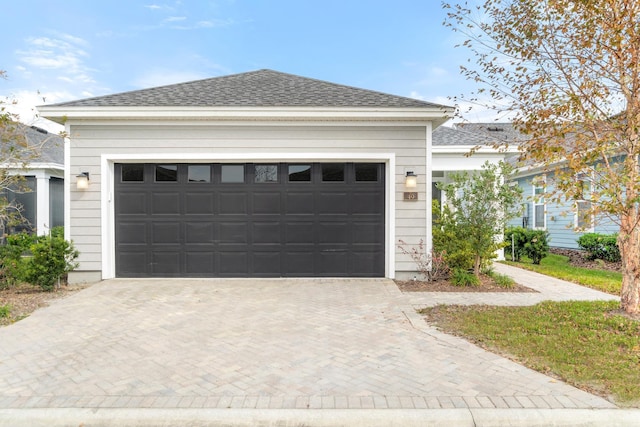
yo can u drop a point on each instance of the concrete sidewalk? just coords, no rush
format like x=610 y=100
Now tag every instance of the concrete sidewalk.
x=284 y=352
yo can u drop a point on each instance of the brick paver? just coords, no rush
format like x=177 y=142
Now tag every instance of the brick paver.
x=277 y=344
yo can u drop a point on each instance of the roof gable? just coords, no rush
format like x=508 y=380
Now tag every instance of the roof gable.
x=262 y=88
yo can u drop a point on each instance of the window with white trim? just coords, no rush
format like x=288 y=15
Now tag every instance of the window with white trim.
x=539 y=205
x=583 y=216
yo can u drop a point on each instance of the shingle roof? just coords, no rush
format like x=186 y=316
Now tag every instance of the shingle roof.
x=261 y=88
x=51 y=145
x=444 y=135
x=504 y=132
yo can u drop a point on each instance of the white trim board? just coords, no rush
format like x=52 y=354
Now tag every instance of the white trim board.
x=107 y=189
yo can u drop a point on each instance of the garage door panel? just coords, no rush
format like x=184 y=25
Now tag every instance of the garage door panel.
x=132 y=262
x=364 y=263
x=234 y=232
x=367 y=203
x=367 y=232
x=233 y=204
x=333 y=262
x=299 y=232
x=199 y=203
x=132 y=203
x=166 y=263
x=199 y=233
x=266 y=263
x=299 y=263
x=134 y=232
x=267 y=203
x=299 y=203
x=165 y=232
x=266 y=232
x=333 y=232
x=333 y=203
x=200 y=263
x=233 y=263
x=165 y=203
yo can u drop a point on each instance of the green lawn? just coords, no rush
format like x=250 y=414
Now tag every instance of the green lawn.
x=558 y=266
x=581 y=343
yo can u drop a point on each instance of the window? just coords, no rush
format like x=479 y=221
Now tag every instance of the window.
x=56 y=202
x=199 y=173
x=23 y=196
x=366 y=172
x=232 y=174
x=266 y=173
x=166 y=173
x=299 y=173
x=332 y=172
x=583 y=215
x=539 y=207
x=132 y=173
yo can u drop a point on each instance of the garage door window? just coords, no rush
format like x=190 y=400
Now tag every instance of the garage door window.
x=232 y=174
x=199 y=173
x=299 y=173
x=366 y=172
x=266 y=173
x=166 y=173
x=132 y=173
x=332 y=172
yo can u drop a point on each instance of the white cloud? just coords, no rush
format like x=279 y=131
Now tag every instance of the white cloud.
x=23 y=103
x=175 y=18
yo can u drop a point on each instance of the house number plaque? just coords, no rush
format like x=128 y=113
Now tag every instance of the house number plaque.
x=410 y=195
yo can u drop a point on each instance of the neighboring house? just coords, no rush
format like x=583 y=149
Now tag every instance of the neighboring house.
x=259 y=174
x=41 y=194
x=565 y=222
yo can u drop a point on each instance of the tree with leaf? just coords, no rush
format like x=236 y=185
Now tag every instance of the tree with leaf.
x=479 y=206
x=570 y=71
x=16 y=152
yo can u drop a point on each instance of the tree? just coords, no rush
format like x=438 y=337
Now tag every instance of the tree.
x=570 y=71
x=16 y=151
x=478 y=207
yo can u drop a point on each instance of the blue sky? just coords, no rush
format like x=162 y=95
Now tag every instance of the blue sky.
x=61 y=50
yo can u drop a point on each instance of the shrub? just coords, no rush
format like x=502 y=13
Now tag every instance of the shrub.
x=600 y=246
x=53 y=257
x=38 y=260
x=463 y=278
x=532 y=243
x=537 y=245
x=432 y=265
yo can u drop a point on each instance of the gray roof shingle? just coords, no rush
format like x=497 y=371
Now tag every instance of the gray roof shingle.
x=261 y=88
x=447 y=136
x=51 y=146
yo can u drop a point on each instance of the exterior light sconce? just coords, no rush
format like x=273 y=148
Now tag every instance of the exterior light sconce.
x=410 y=182
x=82 y=181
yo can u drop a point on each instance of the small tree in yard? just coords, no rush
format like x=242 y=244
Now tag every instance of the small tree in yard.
x=570 y=72
x=478 y=209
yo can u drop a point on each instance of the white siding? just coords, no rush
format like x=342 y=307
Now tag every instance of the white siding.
x=206 y=142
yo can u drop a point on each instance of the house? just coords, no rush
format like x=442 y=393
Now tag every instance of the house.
x=41 y=195
x=258 y=174
x=565 y=222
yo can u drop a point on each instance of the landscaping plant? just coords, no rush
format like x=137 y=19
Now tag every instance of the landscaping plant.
x=600 y=246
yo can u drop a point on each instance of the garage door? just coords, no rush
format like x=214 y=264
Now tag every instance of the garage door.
x=250 y=220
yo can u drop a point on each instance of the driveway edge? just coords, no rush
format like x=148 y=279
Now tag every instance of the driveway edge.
x=142 y=417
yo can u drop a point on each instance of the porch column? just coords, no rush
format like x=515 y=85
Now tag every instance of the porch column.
x=42 y=203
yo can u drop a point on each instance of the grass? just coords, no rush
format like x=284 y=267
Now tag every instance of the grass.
x=5 y=310
x=558 y=266
x=580 y=342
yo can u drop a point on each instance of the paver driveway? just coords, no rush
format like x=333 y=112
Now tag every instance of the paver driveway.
x=255 y=344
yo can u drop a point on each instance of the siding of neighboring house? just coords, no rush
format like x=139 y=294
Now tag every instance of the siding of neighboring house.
x=560 y=219
x=162 y=140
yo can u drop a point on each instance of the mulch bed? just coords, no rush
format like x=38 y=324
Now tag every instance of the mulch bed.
x=25 y=299
x=486 y=285
x=578 y=258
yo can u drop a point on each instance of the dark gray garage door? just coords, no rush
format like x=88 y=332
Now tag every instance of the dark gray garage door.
x=250 y=220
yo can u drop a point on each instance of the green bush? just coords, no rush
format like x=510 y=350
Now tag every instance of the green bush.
x=38 y=260
x=503 y=280
x=600 y=246
x=5 y=311
x=463 y=278
x=532 y=243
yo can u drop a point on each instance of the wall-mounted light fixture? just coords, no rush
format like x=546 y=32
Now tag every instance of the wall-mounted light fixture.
x=411 y=180
x=82 y=181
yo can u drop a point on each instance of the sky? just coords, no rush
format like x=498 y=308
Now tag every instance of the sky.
x=61 y=50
